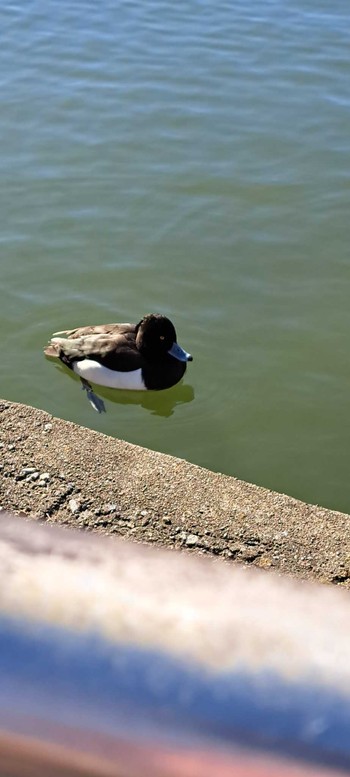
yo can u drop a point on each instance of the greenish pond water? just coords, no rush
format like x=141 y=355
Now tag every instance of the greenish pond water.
x=194 y=159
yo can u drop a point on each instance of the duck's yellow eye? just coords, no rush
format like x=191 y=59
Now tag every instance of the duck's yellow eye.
x=162 y=337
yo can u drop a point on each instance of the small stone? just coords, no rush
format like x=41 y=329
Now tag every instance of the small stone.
x=105 y=509
x=11 y=447
x=111 y=507
x=144 y=512
x=192 y=540
x=45 y=476
x=47 y=427
x=100 y=521
x=265 y=562
x=33 y=476
x=28 y=470
x=218 y=548
x=234 y=549
x=74 y=505
x=249 y=554
x=166 y=519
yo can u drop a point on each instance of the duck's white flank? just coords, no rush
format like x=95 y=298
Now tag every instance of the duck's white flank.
x=96 y=373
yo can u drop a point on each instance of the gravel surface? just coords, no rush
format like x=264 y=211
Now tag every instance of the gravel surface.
x=56 y=471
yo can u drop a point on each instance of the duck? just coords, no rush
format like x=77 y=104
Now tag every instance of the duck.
x=136 y=357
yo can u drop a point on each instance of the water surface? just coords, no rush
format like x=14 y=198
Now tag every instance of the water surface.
x=190 y=158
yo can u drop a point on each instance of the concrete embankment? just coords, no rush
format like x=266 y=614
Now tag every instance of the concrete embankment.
x=57 y=471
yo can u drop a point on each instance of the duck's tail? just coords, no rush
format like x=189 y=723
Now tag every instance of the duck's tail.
x=64 y=349
x=53 y=349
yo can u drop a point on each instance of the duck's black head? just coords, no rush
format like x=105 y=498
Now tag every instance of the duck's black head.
x=156 y=337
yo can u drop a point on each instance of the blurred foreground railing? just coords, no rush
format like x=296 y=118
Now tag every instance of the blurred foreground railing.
x=117 y=659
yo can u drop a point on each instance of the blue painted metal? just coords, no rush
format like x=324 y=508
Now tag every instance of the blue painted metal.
x=75 y=701
x=80 y=679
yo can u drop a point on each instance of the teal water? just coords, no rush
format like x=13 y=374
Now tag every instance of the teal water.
x=190 y=158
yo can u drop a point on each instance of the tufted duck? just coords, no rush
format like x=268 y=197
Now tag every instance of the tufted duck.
x=137 y=357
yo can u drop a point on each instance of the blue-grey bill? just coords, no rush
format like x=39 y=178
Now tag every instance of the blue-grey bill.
x=178 y=353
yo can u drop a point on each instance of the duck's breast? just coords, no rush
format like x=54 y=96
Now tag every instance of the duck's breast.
x=96 y=373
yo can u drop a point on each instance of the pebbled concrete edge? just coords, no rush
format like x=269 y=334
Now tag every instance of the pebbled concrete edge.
x=56 y=471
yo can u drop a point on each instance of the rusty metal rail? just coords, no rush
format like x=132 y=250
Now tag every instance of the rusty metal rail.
x=118 y=659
